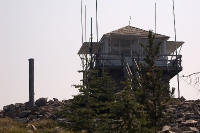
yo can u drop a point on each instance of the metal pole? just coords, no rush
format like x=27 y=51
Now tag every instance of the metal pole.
x=96 y=21
x=155 y=17
x=31 y=82
x=176 y=53
x=85 y=25
x=91 y=48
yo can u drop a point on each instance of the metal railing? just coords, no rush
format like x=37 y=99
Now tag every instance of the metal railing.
x=115 y=59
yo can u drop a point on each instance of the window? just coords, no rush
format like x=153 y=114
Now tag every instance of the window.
x=125 y=48
x=115 y=48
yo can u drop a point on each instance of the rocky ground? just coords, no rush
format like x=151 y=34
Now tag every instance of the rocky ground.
x=185 y=113
x=43 y=109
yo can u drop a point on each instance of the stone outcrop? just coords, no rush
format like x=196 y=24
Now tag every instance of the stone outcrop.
x=43 y=109
x=185 y=114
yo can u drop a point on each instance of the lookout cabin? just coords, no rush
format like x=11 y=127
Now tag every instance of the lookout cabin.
x=119 y=51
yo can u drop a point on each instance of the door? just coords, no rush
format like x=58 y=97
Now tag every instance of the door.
x=125 y=47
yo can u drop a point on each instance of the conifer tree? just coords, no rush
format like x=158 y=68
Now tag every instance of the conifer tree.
x=128 y=115
x=154 y=93
x=137 y=108
x=91 y=107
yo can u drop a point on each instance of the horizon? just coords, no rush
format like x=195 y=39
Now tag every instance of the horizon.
x=50 y=32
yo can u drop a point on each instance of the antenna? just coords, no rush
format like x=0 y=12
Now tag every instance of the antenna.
x=96 y=21
x=176 y=51
x=129 y=20
x=91 y=48
x=85 y=24
x=155 y=18
x=81 y=22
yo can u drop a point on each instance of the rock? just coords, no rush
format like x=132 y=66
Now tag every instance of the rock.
x=175 y=130
x=10 y=107
x=1 y=115
x=55 y=99
x=21 y=112
x=57 y=129
x=189 y=123
x=23 y=120
x=194 y=130
x=17 y=105
x=31 y=117
x=41 y=102
x=24 y=114
x=182 y=98
x=166 y=129
x=33 y=127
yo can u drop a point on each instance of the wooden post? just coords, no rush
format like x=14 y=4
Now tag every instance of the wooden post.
x=31 y=82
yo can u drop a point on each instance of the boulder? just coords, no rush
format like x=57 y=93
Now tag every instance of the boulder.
x=41 y=102
x=24 y=114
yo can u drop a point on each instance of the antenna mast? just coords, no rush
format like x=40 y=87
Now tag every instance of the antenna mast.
x=96 y=21
x=155 y=17
x=81 y=22
x=85 y=25
x=91 y=48
x=176 y=53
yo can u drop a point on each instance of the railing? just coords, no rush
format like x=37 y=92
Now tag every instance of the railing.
x=114 y=59
x=162 y=60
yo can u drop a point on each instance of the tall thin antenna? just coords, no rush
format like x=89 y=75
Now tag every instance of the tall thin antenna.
x=176 y=52
x=81 y=22
x=91 y=48
x=155 y=17
x=96 y=21
x=85 y=25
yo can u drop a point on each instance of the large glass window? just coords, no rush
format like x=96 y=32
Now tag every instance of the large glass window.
x=125 y=48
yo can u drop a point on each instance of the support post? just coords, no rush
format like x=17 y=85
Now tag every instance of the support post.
x=31 y=82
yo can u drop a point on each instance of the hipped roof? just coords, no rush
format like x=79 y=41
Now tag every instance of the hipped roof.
x=129 y=30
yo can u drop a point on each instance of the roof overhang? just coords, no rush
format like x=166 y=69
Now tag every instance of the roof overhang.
x=85 y=47
x=172 y=45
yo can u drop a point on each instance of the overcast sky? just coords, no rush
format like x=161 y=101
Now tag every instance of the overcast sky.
x=50 y=32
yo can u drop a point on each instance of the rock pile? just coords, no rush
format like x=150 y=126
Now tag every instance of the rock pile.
x=185 y=113
x=43 y=109
x=186 y=116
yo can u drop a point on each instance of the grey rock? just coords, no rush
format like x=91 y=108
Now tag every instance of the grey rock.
x=1 y=116
x=9 y=107
x=24 y=114
x=41 y=102
x=189 y=123
x=166 y=128
x=55 y=99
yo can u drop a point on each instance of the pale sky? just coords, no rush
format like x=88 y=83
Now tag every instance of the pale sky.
x=50 y=32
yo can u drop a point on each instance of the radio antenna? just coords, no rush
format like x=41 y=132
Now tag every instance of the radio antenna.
x=96 y=22
x=85 y=25
x=176 y=51
x=81 y=22
x=155 y=18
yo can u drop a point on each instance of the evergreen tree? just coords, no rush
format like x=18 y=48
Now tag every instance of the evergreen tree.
x=91 y=107
x=128 y=115
x=137 y=108
x=154 y=93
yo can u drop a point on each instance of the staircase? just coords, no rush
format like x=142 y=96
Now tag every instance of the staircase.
x=128 y=72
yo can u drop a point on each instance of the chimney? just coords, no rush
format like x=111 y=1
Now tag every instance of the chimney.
x=31 y=82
